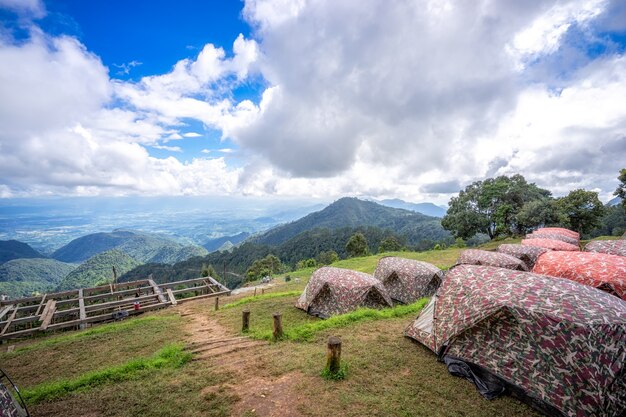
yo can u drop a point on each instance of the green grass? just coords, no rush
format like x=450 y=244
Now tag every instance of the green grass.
x=170 y=356
x=267 y=296
x=306 y=331
x=102 y=330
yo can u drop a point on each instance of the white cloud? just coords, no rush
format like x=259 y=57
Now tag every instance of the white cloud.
x=35 y=8
x=168 y=148
x=366 y=98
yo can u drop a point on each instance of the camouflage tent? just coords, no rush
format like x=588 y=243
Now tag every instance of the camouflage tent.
x=560 y=231
x=550 y=244
x=487 y=258
x=612 y=247
x=557 y=344
x=553 y=236
x=333 y=291
x=527 y=254
x=407 y=280
x=599 y=270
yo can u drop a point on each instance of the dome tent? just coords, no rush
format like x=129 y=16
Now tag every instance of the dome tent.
x=526 y=253
x=550 y=244
x=611 y=247
x=488 y=258
x=560 y=231
x=407 y=280
x=599 y=270
x=332 y=291
x=557 y=344
x=553 y=236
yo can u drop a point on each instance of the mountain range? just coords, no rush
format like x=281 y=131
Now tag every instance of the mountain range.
x=13 y=249
x=428 y=209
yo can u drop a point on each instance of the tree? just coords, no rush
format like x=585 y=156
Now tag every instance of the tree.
x=306 y=263
x=390 y=244
x=613 y=223
x=264 y=267
x=490 y=206
x=327 y=257
x=538 y=213
x=621 y=188
x=209 y=271
x=582 y=209
x=357 y=245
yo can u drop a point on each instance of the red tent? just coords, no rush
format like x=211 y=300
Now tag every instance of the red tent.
x=550 y=244
x=553 y=236
x=599 y=270
x=559 y=230
x=488 y=258
x=612 y=247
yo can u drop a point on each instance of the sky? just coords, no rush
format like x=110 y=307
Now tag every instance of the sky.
x=309 y=98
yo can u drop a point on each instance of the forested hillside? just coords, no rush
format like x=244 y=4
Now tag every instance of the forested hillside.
x=352 y=212
x=22 y=277
x=98 y=269
x=143 y=247
x=13 y=249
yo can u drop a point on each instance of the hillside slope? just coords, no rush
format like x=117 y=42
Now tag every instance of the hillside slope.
x=429 y=209
x=98 y=269
x=14 y=249
x=22 y=277
x=143 y=247
x=352 y=212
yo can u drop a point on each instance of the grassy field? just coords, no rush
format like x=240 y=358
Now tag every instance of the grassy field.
x=120 y=369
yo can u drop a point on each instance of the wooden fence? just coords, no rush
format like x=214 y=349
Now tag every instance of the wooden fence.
x=26 y=316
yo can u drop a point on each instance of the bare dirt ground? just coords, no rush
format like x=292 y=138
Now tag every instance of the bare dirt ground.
x=259 y=393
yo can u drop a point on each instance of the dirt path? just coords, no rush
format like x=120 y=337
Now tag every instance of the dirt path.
x=259 y=393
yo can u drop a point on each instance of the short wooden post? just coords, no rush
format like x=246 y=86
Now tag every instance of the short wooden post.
x=255 y=291
x=217 y=303
x=245 y=321
x=278 y=326
x=333 y=357
x=262 y=291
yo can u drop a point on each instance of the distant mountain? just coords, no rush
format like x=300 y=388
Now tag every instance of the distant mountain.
x=98 y=270
x=614 y=202
x=13 y=249
x=22 y=277
x=217 y=244
x=428 y=209
x=352 y=212
x=142 y=246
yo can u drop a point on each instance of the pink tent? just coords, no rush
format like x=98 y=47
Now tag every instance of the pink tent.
x=559 y=230
x=550 y=244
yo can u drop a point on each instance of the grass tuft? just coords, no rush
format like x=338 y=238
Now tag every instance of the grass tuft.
x=170 y=356
x=342 y=373
x=268 y=296
x=305 y=332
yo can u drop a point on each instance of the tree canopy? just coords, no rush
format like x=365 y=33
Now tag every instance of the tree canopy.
x=357 y=245
x=490 y=206
x=582 y=210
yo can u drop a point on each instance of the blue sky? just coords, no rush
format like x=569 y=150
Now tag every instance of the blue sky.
x=309 y=99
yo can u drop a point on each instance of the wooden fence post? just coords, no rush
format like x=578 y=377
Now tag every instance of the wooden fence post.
x=255 y=291
x=333 y=357
x=217 y=303
x=245 y=321
x=262 y=291
x=278 y=326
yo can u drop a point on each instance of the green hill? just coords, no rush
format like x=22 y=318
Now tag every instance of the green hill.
x=13 y=249
x=352 y=212
x=22 y=277
x=143 y=247
x=98 y=269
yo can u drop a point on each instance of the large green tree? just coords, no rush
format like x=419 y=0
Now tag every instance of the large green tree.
x=490 y=206
x=267 y=266
x=621 y=188
x=582 y=209
x=357 y=245
x=538 y=213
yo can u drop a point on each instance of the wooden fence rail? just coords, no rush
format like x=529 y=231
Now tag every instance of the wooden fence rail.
x=76 y=308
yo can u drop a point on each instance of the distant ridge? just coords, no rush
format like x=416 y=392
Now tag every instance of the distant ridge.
x=218 y=243
x=352 y=212
x=428 y=209
x=22 y=277
x=14 y=249
x=98 y=269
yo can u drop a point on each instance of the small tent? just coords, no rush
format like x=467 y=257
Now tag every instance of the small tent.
x=553 y=236
x=407 y=280
x=559 y=230
x=488 y=258
x=332 y=291
x=550 y=244
x=527 y=254
x=557 y=344
x=599 y=270
x=612 y=247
